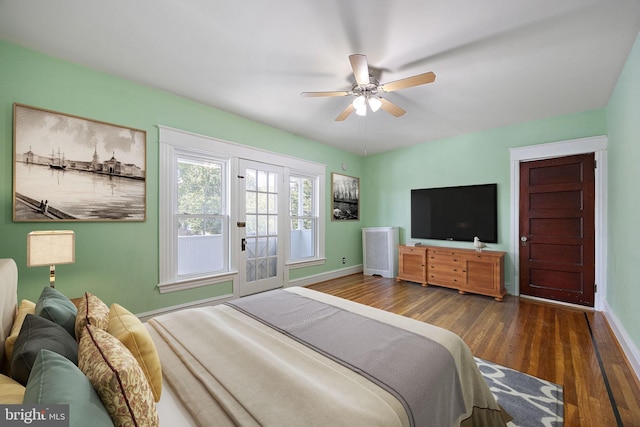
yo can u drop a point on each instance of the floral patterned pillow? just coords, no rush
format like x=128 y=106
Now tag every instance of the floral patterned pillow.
x=93 y=311
x=118 y=379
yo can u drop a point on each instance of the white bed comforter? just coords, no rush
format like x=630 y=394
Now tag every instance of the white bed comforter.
x=229 y=369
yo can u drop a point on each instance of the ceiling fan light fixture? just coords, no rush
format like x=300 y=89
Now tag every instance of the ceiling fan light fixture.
x=362 y=111
x=367 y=88
x=375 y=103
x=360 y=102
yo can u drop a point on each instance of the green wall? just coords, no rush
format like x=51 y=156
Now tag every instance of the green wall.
x=477 y=158
x=483 y=157
x=623 y=119
x=119 y=261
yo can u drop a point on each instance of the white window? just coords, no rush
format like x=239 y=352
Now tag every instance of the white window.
x=201 y=216
x=194 y=217
x=303 y=217
x=199 y=239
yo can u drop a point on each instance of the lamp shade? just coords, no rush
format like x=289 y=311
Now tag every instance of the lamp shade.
x=51 y=247
x=375 y=104
x=360 y=102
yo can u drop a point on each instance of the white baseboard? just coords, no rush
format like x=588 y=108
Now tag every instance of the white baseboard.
x=309 y=280
x=628 y=347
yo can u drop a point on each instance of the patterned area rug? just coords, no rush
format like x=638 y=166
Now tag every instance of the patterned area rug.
x=529 y=400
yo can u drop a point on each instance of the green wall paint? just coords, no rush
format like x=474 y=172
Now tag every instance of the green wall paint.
x=623 y=283
x=119 y=261
x=478 y=158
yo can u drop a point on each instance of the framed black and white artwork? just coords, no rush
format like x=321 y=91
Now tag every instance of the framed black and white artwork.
x=345 y=202
x=68 y=168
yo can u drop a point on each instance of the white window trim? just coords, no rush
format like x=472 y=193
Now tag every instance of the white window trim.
x=171 y=139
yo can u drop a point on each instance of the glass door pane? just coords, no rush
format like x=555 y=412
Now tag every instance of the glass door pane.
x=260 y=208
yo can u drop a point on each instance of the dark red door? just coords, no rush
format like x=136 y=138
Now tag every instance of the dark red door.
x=557 y=231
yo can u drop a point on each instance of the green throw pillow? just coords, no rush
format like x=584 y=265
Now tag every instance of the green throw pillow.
x=55 y=380
x=38 y=333
x=56 y=307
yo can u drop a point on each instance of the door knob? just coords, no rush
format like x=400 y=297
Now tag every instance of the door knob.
x=523 y=240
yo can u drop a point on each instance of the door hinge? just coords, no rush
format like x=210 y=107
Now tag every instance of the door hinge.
x=595 y=164
x=595 y=287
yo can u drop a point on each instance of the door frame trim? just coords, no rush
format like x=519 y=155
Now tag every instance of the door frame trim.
x=594 y=144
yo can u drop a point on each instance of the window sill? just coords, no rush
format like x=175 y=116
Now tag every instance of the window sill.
x=197 y=282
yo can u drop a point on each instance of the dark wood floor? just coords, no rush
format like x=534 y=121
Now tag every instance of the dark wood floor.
x=563 y=345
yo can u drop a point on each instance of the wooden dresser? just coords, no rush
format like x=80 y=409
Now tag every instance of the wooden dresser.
x=444 y=267
x=463 y=269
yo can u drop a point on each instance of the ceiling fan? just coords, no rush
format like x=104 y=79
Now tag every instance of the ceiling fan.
x=367 y=89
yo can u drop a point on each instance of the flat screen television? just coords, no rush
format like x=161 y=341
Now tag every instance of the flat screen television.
x=455 y=213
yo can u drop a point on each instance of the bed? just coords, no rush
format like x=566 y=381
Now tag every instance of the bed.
x=288 y=357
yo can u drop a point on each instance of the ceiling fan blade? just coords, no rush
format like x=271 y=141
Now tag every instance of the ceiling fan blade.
x=416 y=80
x=391 y=108
x=314 y=94
x=360 y=68
x=345 y=113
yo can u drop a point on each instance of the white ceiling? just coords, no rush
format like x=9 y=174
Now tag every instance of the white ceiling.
x=497 y=62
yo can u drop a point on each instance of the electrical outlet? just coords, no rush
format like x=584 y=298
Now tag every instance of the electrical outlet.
x=344 y=260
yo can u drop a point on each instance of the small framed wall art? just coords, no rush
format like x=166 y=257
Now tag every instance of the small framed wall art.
x=345 y=201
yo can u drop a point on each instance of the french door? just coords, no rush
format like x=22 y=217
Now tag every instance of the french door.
x=261 y=216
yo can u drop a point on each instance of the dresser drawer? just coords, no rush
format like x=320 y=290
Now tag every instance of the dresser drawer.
x=444 y=265
x=444 y=279
x=482 y=257
x=442 y=252
x=452 y=269
x=412 y=249
x=442 y=259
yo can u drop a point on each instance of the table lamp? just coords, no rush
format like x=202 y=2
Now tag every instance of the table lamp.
x=51 y=248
